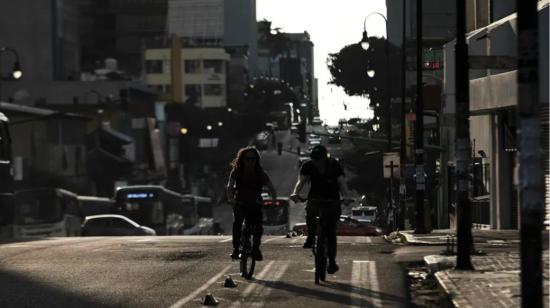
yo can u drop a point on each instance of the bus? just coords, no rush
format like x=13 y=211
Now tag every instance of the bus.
x=92 y=205
x=276 y=216
x=197 y=215
x=43 y=212
x=153 y=206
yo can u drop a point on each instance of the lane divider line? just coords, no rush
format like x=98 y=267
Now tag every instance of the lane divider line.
x=201 y=289
x=364 y=278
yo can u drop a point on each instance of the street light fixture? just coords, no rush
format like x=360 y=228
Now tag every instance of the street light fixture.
x=208 y=127
x=371 y=73
x=220 y=124
x=184 y=131
x=16 y=72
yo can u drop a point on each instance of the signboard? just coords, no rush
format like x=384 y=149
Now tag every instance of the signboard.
x=391 y=163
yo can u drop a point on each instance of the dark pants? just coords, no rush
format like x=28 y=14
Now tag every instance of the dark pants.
x=251 y=214
x=329 y=214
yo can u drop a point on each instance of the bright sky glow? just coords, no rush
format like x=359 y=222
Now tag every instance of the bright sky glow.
x=331 y=25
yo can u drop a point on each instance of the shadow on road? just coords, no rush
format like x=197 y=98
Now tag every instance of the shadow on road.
x=17 y=290
x=353 y=293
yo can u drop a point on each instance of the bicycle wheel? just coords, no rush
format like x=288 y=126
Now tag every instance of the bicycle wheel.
x=320 y=254
x=248 y=263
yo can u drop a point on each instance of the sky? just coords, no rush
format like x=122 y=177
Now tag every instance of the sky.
x=331 y=24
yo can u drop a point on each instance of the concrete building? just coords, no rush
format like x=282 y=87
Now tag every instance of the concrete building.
x=120 y=29
x=204 y=74
x=493 y=108
x=439 y=23
x=289 y=58
x=47 y=41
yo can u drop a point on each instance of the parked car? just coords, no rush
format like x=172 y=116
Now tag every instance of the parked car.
x=334 y=138
x=112 y=224
x=365 y=213
x=313 y=139
x=347 y=226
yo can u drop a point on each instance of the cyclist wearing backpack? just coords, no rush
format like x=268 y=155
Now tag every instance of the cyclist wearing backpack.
x=244 y=193
x=327 y=183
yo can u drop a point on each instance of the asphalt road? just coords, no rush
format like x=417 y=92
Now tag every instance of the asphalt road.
x=179 y=271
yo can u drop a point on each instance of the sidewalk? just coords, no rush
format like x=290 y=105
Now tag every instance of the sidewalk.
x=495 y=282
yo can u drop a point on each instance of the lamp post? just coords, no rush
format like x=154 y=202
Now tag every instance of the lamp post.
x=366 y=45
x=16 y=71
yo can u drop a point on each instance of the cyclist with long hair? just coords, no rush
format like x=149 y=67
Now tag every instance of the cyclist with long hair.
x=244 y=193
x=327 y=180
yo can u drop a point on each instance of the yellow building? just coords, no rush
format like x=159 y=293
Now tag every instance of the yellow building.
x=203 y=75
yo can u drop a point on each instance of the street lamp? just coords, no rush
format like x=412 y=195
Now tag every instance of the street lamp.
x=366 y=45
x=16 y=72
x=370 y=73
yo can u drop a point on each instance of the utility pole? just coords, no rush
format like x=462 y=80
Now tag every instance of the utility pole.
x=463 y=149
x=531 y=159
x=420 y=180
x=402 y=149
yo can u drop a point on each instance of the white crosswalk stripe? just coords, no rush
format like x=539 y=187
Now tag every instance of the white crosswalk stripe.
x=272 y=272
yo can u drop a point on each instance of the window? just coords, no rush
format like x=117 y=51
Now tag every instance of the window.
x=213 y=66
x=213 y=90
x=120 y=223
x=153 y=66
x=193 y=92
x=192 y=66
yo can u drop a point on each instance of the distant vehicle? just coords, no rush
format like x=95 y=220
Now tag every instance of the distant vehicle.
x=294 y=129
x=347 y=226
x=261 y=141
x=353 y=227
x=276 y=215
x=334 y=138
x=153 y=206
x=364 y=213
x=316 y=121
x=92 y=205
x=113 y=225
x=313 y=139
x=48 y=211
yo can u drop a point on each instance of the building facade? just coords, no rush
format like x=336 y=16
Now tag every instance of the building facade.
x=204 y=74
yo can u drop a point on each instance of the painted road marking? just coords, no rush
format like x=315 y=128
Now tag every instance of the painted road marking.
x=198 y=291
x=274 y=238
x=261 y=291
x=363 y=240
x=365 y=287
x=226 y=240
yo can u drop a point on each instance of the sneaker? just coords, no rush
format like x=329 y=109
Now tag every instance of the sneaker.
x=235 y=254
x=257 y=254
x=309 y=243
x=332 y=268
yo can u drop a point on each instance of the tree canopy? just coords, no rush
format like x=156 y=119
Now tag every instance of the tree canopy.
x=350 y=65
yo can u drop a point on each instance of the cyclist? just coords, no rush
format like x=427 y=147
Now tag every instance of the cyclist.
x=244 y=193
x=327 y=183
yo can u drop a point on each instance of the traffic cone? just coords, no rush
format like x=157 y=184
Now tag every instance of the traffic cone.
x=229 y=283
x=210 y=300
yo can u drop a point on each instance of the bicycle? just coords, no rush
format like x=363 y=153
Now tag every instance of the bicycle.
x=319 y=248
x=247 y=261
